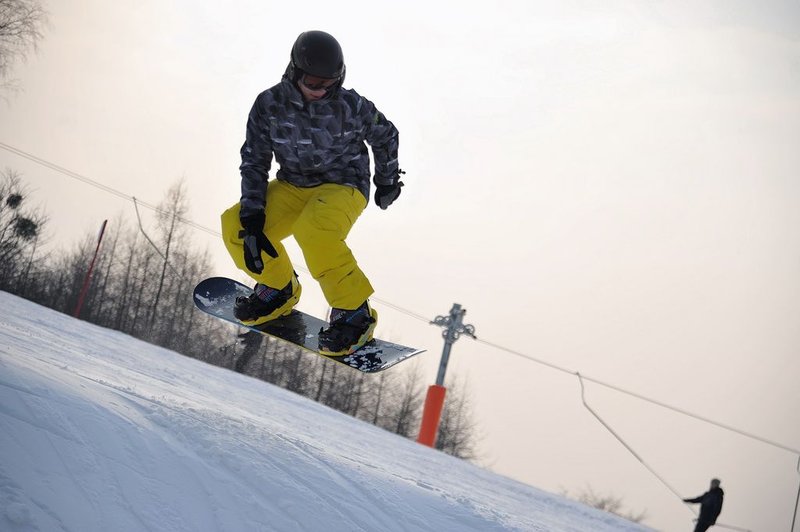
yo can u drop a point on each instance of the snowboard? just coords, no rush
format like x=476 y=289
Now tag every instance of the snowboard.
x=216 y=296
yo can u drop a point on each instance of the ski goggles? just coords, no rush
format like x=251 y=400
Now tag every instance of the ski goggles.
x=314 y=83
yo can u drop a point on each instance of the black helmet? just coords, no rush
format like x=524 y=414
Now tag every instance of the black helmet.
x=317 y=53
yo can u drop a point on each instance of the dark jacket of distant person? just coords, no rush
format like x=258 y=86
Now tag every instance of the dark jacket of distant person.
x=710 y=505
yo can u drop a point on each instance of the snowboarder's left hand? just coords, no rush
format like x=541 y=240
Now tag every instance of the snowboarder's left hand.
x=386 y=194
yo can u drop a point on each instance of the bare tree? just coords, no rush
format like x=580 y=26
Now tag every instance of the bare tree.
x=457 y=433
x=402 y=408
x=124 y=298
x=21 y=24
x=372 y=412
x=607 y=503
x=20 y=229
x=296 y=370
x=107 y=260
x=250 y=344
x=171 y=211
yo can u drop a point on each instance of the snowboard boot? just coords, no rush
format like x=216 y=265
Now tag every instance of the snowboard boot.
x=266 y=303
x=349 y=330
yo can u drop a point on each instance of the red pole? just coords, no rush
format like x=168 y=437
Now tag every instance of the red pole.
x=85 y=286
x=431 y=414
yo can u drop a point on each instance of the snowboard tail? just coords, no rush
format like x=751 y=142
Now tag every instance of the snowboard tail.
x=217 y=295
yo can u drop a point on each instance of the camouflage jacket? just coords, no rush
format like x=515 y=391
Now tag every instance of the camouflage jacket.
x=315 y=142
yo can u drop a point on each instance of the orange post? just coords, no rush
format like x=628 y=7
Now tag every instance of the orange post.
x=434 y=402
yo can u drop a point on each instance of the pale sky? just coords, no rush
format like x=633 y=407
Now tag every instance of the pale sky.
x=610 y=187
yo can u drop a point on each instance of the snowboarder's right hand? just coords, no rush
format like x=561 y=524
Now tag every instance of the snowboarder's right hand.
x=255 y=241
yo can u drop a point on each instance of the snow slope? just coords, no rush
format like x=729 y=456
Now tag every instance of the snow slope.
x=100 y=431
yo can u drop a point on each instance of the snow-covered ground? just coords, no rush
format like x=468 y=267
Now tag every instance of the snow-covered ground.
x=101 y=432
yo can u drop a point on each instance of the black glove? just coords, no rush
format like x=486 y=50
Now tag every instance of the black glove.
x=386 y=194
x=255 y=241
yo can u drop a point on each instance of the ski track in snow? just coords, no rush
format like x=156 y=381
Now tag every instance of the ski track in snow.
x=99 y=431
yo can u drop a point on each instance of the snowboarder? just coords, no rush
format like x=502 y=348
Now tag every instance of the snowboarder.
x=710 y=506
x=317 y=130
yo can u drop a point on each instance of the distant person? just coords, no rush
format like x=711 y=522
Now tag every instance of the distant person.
x=710 y=506
x=318 y=132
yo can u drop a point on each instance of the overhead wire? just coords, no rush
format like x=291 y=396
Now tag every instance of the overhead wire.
x=100 y=186
x=621 y=440
x=641 y=397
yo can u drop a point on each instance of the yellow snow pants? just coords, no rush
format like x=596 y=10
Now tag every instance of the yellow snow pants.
x=319 y=218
